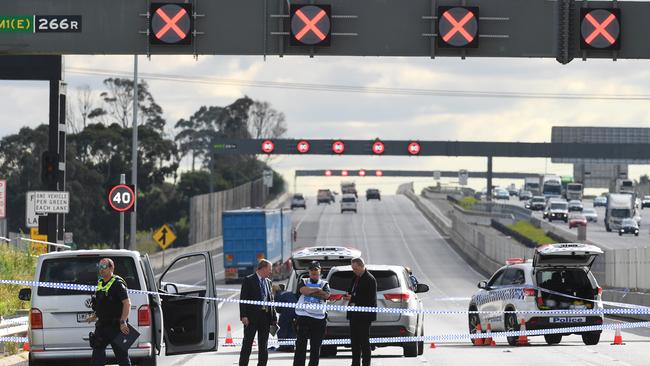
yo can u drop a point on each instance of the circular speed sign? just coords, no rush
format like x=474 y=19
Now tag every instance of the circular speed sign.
x=121 y=197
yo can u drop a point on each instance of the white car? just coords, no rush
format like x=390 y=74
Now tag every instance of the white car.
x=328 y=257
x=590 y=214
x=348 y=203
x=397 y=288
x=58 y=332
x=561 y=268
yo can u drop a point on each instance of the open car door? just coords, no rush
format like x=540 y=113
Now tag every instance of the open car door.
x=190 y=323
x=155 y=304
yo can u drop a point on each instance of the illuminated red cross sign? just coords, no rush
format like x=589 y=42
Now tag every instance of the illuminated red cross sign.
x=338 y=147
x=302 y=146
x=414 y=148
x=170 y=23
x=362 y=173
x=311 y=25
x=600 y=29
x=378 y=147
x=268 y=146
x=458 y=26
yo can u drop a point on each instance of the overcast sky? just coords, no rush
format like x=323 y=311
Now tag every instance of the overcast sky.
x=324 y=114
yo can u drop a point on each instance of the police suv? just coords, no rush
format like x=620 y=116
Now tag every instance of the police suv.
x=563 y=270
x=58 y=330
x=328 y=257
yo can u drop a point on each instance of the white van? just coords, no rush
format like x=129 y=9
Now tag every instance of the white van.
x=58 y=330
x=348 y=203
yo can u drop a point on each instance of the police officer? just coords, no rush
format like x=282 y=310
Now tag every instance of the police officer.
x=111 y=306
x=311 y=322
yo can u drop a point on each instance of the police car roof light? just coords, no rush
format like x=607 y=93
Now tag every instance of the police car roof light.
x=511 y=261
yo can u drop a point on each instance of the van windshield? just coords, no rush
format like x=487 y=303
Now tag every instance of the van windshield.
x=620 y=212
x=83 y=271
x=349 y=199
x=558 y=206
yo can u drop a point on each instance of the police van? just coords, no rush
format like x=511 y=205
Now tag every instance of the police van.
x=58 y=330
x=558 y=278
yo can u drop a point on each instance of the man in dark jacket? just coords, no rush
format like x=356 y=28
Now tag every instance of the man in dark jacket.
x=362 y=292
x=257 y=318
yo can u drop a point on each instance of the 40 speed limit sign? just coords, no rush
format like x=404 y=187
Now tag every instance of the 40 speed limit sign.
x=121 y=197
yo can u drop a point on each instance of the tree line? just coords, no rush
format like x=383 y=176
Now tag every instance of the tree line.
x=98 y=150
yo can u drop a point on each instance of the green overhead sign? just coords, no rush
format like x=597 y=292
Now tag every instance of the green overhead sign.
x=17 y=23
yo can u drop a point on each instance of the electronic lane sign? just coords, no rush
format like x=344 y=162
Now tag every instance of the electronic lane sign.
x=170 y=24
x=600 y=29
x=311 y=25
x=121 y=197
x=303 y=146
x=457 y=27
x=268 y=146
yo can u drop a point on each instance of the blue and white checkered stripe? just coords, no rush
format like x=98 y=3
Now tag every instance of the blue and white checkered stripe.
x=341 y=308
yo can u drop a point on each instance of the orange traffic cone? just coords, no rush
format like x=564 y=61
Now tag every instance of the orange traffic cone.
x=493 y=343
x=433 y=345
x=488 y=340
x=478 y=341
x=229 y=341
x=26 y=346
x=523 y=339
x=618 y=338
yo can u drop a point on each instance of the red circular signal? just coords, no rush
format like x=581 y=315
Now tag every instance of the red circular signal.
x=338 y=147
x=344 y=173
x=379 y=173
x=328 y=173
x=303 y=146
x=268 y=146
x=362 y=173
x=378 y=147
x=414 y=148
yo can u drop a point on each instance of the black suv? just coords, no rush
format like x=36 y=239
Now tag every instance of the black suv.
x=373 y=194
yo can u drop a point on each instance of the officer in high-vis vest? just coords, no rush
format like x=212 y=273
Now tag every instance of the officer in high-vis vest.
x=311 y=322
x=111 y=305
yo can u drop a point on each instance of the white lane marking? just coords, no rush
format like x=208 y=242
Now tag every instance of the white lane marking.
x=365 y=235
x=410 y=253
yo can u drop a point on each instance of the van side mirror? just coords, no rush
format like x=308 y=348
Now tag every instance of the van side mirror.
x=421 y=288
x=170 y=288
x=482 y=285
x=25 y=294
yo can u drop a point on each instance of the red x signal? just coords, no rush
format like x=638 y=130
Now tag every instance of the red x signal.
x=170 y=23
x=310 y=25
x=458 y=27
x=600 y=28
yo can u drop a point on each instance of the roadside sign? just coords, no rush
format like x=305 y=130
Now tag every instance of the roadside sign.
x=31 y=217
x=164 y=236
x=121 y=197
x=268 y=146
x=267 y=177
x=51 y=202
x=436 y=174
x=3 y=198
x=67 y=238
x=37 y=248
x=462 y=177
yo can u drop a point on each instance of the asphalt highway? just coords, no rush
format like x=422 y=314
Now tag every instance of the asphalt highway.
x=393 y=231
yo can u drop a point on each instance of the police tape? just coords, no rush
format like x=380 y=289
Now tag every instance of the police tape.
x=343 y=308
x=443 y=338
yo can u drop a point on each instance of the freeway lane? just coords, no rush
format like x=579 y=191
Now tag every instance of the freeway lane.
x=394 y=232
x=596 y=231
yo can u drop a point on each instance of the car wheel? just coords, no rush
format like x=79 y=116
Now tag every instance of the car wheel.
x=511 y=326
x=37 y=362
x=328 y=351
x=553 y=338
x=591 y=338
x=473 y=320
x=636 y=234
x=620 y=234
x=421 y=343
x=411 y=349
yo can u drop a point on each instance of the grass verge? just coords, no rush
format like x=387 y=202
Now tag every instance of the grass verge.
x=532 y=232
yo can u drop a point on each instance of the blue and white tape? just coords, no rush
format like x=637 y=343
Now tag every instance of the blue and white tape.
x=343 y=308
